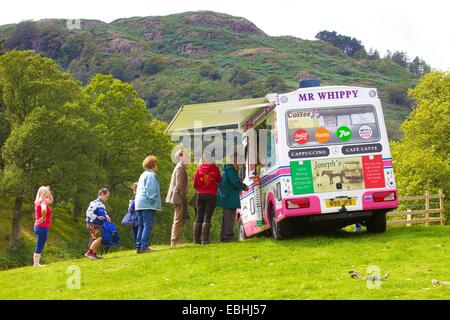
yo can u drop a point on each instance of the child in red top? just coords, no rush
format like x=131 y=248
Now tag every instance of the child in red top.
x=206 y=180
x=43 y=221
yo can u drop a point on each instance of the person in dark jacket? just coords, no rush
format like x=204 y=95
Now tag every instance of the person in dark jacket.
x=228 y=198
x=131 y=218
x=206 y=179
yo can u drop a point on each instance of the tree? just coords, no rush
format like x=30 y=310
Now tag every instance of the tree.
x=388 y=54
x=29 y=81
x=2 y=46
x=400 y=58
x=373 y=54
x=34 y=92
x=72 y=47
x=51 y=147
x=421 y=158
x=350 y=46
x=51 y=37
x=4 y=127
x=22 y=37
x=419 y=67
x=127 y=133
x=241 y=76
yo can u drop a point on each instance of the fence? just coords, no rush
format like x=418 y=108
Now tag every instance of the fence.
x=427 y=215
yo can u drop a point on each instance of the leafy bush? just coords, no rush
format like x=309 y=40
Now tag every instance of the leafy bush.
x=72 y=48
x=241 y=76
x=117 y=66
x=275 y=83
x=18 y=254
x=398 y=93
x=207 y=70
x=155 y=64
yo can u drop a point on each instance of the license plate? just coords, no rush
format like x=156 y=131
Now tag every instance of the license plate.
x=333 y=203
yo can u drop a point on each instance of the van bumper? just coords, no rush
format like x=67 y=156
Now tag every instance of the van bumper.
x=349 y=215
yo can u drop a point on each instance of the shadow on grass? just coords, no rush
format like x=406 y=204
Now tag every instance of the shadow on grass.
x=310 y=238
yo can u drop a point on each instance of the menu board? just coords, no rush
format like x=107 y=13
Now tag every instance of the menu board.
x=302 y=181
x=363 y=118
x=343 y=120
x=373 y=171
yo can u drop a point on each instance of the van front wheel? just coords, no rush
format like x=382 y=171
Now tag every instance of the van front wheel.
x=377 y=224
x=276 y=227
x=241 y=231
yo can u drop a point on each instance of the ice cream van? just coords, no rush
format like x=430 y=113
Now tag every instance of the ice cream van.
x=318 y=155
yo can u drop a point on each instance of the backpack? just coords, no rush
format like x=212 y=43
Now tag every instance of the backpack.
x=110 y=236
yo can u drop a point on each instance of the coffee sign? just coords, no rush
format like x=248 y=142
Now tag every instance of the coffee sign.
x=362 y=148
x=309 y=153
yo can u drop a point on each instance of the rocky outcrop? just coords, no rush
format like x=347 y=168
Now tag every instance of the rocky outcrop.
x=239 y=25
x=123 y=46
x=93 y=24
x=252 y=51
x=193 y=50
x=153 y=36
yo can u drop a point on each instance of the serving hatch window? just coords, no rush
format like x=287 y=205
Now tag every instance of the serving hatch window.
x=328 y=126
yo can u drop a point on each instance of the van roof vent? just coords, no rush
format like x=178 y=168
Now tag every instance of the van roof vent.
x=309 y=83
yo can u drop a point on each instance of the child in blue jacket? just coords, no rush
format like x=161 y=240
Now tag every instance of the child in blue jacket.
x=131 y=216
x=95 y=215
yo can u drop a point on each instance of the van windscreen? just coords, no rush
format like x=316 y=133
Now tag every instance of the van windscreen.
x=331 y=125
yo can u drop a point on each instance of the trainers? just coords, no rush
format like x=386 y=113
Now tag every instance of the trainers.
x=92 y=256
x=146 y=250
x=358 y=228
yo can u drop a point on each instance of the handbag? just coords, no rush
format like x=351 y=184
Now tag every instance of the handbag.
x=131 y=218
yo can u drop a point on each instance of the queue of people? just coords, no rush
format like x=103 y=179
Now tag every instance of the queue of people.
x=213 y=188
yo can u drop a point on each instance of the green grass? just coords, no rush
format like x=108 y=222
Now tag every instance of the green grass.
x=309 y=267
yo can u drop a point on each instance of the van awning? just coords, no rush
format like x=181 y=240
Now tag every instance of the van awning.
x=218 y=115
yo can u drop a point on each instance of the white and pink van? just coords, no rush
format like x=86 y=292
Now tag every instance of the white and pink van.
x=317 y=154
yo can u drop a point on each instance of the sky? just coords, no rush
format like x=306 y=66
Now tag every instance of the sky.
x=420 y=28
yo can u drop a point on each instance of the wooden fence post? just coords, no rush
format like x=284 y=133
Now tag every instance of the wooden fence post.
x=408 y=217
x=441 y=206
x=427 y=207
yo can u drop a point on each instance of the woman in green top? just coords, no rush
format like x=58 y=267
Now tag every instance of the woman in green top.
x=228 y=198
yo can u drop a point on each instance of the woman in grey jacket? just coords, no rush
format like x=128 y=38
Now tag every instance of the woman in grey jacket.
x=147 y=201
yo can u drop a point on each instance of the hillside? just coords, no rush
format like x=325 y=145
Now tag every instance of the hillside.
x=313 y=267
x=200 y=57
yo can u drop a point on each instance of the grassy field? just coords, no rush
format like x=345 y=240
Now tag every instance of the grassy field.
x=309 y=267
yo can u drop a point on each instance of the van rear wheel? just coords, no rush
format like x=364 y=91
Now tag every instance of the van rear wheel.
x=377 y=223
x=278 y=231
